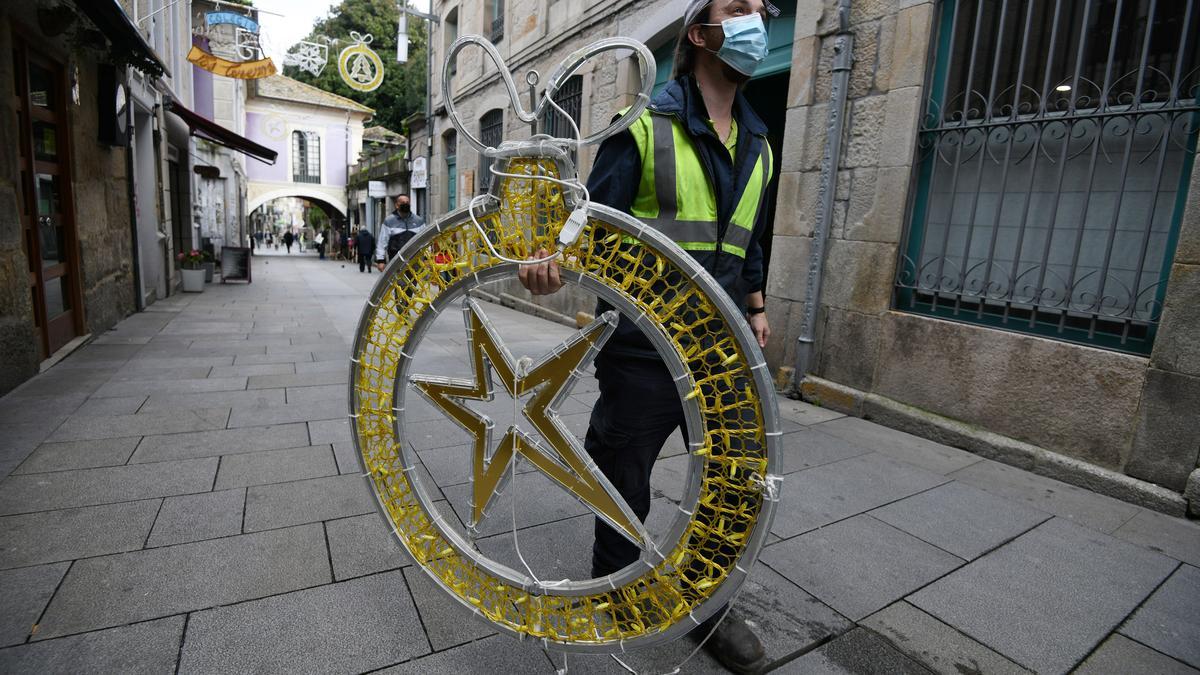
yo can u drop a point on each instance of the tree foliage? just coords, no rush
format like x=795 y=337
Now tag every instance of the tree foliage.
x=403 y=90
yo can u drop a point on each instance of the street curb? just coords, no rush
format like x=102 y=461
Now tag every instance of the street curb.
x=1038 y=460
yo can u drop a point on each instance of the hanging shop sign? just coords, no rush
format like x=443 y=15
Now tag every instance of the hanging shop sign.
x=360 y=67
x=246 y=42
x=688 y=569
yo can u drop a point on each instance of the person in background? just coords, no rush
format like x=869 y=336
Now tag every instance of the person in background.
x=364 y=244
x=288 y=238
x=400 y=226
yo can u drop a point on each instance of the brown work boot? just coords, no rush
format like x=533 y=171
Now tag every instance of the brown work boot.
x=733 y=643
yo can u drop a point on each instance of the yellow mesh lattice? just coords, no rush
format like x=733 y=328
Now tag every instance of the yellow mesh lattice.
x=734 y=444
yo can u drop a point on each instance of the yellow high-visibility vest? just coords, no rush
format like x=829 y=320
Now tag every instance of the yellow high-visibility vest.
x=675 y=196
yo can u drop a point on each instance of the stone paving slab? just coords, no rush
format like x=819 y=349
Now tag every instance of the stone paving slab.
x=26 y=592
x=805 y=414
x=500 y=654
x=151 y=648
x=119 y=589
x=275 y=466
x=361 y=545
x=914 y=450
x=1169 y=621
x=859 y=566
x=935 y=645
x=240 y=400
x=353 y=626
x=306 y=501
x=1119 y=654
x=825 y=494
x=447 y=623
x=861 y=652
x=207 y=515
x=85 y=487
x=1046 y=494
x=159 y=448
x=287 y=413
x=119 y=426
x=806 y=448
x=340 y=376
x=339 y=366
x=1175 y=537
x=251 y=371
x=1046 y=599
x=51 y=536
x=347 y=457
x=264 y=359
x=103 y=407
x=164 y=362
x=331 y=393
x=960 y=519
x=79 y=455
x=330 y=430
x=159 y=374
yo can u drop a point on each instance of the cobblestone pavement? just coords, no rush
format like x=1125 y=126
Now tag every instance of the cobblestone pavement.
x=182 y=494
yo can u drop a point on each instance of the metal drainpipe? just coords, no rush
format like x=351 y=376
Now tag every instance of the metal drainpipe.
x=138 y=298
x=843 y=48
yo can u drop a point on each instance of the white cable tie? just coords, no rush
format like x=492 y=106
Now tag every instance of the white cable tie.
x=768 y=484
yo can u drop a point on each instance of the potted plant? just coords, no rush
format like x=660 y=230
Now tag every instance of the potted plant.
x=208 y=263
x=192 y=272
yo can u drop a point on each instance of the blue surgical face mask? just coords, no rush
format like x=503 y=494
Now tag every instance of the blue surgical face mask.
x=745 y=43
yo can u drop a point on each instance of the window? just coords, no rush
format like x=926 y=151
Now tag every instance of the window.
x=306 y=157
x=491 y=132
x=569 y=97
x=451 y=36
x=1053 y=160
x=494 y=19
x=451 y=142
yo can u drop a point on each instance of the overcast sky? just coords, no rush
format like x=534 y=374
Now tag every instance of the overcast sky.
x=298 y=17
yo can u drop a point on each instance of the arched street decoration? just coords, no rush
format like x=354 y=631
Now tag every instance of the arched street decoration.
x=731 y=486
x=311 y=57
x=246 y=42
x=360 y=67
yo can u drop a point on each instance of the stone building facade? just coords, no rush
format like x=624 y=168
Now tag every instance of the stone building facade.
x=66 y=259
x=1084 y=362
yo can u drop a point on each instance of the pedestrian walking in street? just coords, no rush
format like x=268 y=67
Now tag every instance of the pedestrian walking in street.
x=400 y=226
x=319 y=243
x=364 y=245
x=288 y=238
x=720 y=145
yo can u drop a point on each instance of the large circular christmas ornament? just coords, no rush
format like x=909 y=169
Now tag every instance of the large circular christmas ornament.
x=730 y=491
x=360 y=67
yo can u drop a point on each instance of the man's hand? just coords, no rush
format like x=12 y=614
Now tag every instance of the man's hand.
x=762 y=330
x=380 y=265
x=540 y=279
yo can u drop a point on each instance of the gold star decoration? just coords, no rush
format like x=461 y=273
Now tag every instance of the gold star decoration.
x=551 y=378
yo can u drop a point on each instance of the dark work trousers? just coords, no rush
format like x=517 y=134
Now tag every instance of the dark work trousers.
x=636 y=412
x=364 y=262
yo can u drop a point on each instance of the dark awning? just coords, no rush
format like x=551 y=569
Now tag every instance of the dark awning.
x=204 y=128
x=126 y=39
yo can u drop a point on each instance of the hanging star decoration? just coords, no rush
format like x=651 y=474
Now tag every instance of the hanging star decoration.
x=360 y=67
x=311 y=57
x=684 y=573
x=565 y=460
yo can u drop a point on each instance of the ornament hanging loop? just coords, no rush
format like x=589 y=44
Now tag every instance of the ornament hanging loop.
x=569 y=66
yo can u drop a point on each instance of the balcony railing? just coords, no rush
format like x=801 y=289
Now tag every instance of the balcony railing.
x=378 y=167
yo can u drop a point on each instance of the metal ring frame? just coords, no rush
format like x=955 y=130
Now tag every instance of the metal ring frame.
x=741 y=334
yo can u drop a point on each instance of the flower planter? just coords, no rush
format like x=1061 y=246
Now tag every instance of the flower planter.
x=193 y=281
x=208 y=271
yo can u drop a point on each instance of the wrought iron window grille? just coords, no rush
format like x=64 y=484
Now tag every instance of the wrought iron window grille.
x=306 y=157
x=1053 y=165
x=491 y=132
x=569 y=97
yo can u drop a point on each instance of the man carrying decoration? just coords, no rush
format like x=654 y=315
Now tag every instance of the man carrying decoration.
x=695 y=165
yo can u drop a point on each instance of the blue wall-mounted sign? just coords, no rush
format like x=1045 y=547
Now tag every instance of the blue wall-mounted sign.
x=240 y=20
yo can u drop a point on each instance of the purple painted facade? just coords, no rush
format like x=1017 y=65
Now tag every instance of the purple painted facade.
x=202 y=84
x=256 y=170
x=335 y=155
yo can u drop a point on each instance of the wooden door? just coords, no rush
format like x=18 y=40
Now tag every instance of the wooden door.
x=47 y=213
